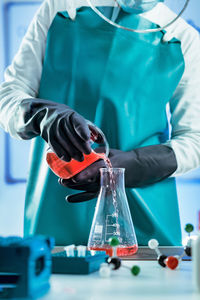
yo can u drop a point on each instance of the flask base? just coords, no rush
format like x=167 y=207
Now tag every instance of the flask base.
x=121 y=250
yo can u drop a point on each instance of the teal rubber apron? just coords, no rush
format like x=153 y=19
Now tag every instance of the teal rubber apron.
x=122 y=82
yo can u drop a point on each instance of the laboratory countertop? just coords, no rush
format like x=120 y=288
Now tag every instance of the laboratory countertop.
x=153 y=282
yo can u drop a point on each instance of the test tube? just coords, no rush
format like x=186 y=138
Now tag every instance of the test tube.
x=81 y=251
x=70 y=250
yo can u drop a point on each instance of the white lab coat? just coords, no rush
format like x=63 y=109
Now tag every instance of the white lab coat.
x=22 y=78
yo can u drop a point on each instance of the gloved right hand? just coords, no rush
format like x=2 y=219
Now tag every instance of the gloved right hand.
x=65 y=131
x=143 y=166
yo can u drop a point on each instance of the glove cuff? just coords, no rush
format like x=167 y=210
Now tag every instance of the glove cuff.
x=152 y=164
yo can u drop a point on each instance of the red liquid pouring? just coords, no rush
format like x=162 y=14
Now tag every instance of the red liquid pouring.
x=114 y=194
x=67 y=170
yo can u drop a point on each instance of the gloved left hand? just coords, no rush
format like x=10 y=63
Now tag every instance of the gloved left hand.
x=143 y=166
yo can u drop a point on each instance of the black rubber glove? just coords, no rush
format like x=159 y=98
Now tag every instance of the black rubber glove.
x=143 y=166
x=65 y=131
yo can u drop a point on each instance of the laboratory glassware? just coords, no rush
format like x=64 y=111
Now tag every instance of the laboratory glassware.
x=112 y=216
x=67 y=170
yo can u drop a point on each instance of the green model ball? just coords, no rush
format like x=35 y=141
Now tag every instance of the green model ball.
x=135 y=270
x=113 y=241
x=189 y=228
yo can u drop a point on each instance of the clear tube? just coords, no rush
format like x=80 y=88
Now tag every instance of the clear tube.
x=95 y=9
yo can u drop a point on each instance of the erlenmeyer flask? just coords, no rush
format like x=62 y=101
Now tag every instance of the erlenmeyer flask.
x=112 y=216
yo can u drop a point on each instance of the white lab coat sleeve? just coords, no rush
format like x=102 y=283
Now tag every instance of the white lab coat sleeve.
x=22 y=77
x=185 y=107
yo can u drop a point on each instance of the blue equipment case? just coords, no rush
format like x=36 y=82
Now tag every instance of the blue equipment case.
x=25 y=266
x=61 y=264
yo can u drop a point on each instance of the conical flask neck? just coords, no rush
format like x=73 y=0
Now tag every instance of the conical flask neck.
x=112 y=178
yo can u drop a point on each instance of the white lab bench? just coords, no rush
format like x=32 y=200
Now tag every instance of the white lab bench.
x=153 y=282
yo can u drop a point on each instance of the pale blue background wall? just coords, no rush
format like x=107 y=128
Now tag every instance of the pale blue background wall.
x=12 y=187
x=14 y=20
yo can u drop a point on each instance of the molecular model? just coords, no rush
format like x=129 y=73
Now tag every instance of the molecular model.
x=114 y=262
x=172 y=262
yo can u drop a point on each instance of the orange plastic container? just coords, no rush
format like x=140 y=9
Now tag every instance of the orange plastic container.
x=67 y=170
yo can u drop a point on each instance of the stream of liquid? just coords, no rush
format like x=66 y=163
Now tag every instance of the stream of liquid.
x=114 y=194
